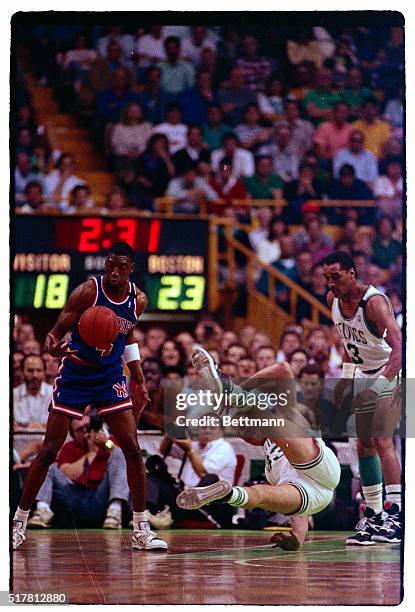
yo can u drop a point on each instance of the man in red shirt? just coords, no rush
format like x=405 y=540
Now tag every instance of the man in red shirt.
x=88 y=481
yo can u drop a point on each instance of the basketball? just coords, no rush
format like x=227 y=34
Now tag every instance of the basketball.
x=98 y=326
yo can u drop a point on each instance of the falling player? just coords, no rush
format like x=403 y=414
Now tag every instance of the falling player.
x=373 y=345
x=87 y=377
x=302 y=471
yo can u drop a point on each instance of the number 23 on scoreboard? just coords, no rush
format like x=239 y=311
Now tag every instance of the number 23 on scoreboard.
x=173 y=287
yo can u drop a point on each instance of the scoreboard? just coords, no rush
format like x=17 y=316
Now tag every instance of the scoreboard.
x=53 y=254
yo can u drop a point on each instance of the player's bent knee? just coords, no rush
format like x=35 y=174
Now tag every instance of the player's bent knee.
x=383 y=445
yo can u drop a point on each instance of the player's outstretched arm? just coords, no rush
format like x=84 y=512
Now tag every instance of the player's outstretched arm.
x=380 y=316
x=81 y=298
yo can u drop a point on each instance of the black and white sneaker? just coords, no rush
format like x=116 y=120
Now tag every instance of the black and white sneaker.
x=391 y=530
x=368 y=525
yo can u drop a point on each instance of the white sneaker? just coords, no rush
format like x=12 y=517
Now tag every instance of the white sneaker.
x=145 y=539
x=18 y=534
x=113 y=520
x=161 y=520
x=194 y=498
x=41 y=519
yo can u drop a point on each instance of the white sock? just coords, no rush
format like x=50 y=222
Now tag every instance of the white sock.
x=138 y=519
x=43 y=506
x=22 y=516
x=394 y=494
x=115 y=506
x=373 y=497
x=239 y=497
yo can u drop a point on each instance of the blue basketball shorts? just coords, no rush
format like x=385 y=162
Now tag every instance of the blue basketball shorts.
x=78 y=385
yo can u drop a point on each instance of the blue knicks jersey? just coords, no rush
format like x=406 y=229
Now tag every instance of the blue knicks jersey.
x=126 y=312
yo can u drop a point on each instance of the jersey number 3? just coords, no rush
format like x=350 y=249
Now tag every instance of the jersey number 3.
x=355 y=357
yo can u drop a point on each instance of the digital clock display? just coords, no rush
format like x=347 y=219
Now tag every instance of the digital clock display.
x=55 y=254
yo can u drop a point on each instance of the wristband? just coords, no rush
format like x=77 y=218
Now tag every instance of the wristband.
x=380 y=385
x=348 y=370
x=131 y=353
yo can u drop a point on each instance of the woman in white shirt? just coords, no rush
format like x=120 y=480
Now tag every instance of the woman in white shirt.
x=268 y=249
x=129 y=137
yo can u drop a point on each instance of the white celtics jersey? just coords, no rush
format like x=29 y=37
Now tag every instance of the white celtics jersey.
x=362 y=343
x=277 y=467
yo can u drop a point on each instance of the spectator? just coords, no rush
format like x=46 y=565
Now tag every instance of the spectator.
x=171 y=353
x=394 y=112
x=59 y=183
x=129 y=137
x=258 y=340
x=195 y=151
x=79 y=59
x=268 y=249
x=284 y=153
x=312 y=238
x=115 y=200
x=302 y=131
x=155 y=167
x=318 y=290
x=264 y=216
x=23 y=173
x=304 y=265
x=264 y=184
x=31 y=347
x=302 y=47
x=385 y=248
x=149 y=48
x=214 y=130
x=256 y=69
x=320 y=101
x=242 y=161
x=376 y=131
x=235 y=352
x=388 y=190
x=115 y=35
x=271 y=102
x=348 y=187
x=252 y=135
x=246 y=368
x=374 y=277
x=298 y=359
x=79 y=198
x=235 y=97
x=332 y=135
x=25 y=119
x=154 y=339
x=173 y=128
x=151 y=416
x=354 y=92
x=111 y=101
x=265 y=357
x=17 y=369
x=153 y=99
x=210 y=63
x=298 y=191
x=319 y=412
x=396 y=302
x=25 y=141
x=101 y=74
x=206 y=460
x=303 y=77
x=194 y=44
x=33 y=198
x=225 y=185
x=187 y=341
x=88 y=483
x=286 y=265
x=32 y=398
x=189 y=191
x=51 y=368
x=393 y=151
x=362 y=160
x=195 y=101
x=176 y=74
x=290 y=341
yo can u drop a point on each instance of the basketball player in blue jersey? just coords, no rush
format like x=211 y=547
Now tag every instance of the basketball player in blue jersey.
x=86 y=376
x=372 y=341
